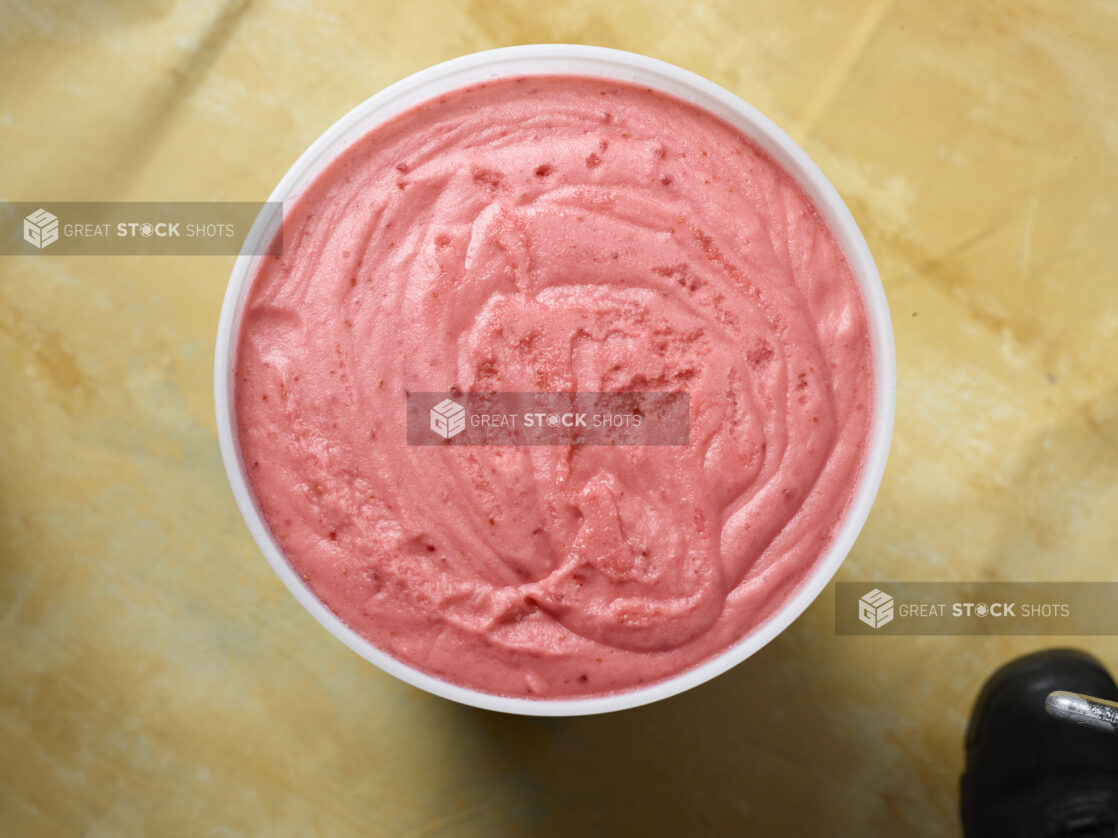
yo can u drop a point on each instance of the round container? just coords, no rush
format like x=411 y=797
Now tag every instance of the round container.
x=564 y=59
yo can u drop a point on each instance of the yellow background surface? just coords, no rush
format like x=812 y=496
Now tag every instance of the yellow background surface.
x=157 y=679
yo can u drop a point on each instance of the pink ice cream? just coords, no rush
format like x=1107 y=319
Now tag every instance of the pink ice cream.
x=554 y=234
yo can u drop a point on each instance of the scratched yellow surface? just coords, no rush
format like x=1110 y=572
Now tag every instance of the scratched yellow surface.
x=155 y=677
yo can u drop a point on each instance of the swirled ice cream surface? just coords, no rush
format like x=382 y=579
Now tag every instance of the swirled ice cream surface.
x=554 y=234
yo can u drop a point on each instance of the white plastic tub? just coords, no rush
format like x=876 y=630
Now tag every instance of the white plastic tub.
x=621 y=66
